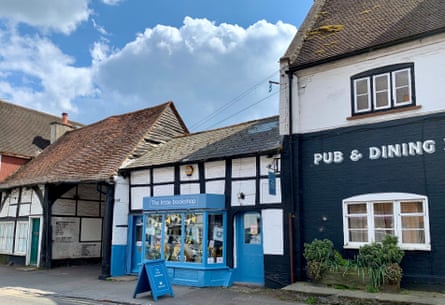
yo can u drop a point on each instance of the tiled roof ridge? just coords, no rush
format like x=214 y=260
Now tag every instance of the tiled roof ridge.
x=131 y=113
x=247 y=123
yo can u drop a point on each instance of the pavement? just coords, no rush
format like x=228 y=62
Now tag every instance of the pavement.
x=82 y=282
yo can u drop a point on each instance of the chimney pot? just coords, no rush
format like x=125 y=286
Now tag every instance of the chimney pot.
x=65 y=118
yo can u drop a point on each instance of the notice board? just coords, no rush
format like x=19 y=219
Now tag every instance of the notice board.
x=153 y=277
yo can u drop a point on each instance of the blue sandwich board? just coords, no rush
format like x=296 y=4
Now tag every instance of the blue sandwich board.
x=153 y=277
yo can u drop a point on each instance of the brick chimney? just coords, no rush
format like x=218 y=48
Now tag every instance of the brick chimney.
x=58 y=129
x=65 y=118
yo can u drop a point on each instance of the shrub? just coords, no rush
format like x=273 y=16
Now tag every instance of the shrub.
x=379 y=261
x=320 y=256
x=320 y=251
x=381 y=258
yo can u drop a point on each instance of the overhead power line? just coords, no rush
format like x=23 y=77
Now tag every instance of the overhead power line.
x=236 y=99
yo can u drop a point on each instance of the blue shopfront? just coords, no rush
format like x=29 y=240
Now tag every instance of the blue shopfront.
x=188 y=232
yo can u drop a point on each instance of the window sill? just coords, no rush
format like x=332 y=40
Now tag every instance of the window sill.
x=379 y=113
x=406 y=247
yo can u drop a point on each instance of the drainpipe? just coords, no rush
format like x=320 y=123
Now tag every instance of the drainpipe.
x=292 y=180
x=295 y=197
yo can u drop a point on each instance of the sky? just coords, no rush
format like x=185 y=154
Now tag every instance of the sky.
x=97 y=58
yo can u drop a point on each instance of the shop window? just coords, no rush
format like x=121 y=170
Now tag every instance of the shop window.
x=215 y=236
x=369 y=218
x=179 y=237
x=173 y=240
x=153 y=236
x=383 y=89
x=193 y=237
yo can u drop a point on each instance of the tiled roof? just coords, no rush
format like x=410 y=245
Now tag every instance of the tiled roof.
x=243 y=139
x=338 y=28
x=24 y=132
x=94 y=152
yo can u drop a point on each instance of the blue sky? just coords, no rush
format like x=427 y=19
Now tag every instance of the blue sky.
x=98 y=58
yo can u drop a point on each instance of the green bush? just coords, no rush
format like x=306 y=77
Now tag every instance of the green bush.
x=376 y=257
x=380 y=261
x=320 y=256
x=319 y=250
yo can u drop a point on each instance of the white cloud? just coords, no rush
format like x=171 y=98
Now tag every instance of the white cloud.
x=200 y=66
x=112 y=2
x=54 y=15
x=38 y=75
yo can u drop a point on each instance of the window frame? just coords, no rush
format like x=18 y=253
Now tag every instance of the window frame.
x=7 y=237
x=396 y=198
x=205 y=260
x=21 y=237
x=370 y=76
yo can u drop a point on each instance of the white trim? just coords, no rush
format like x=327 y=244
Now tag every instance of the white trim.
x=368 y=85
x=396 y=198
x=21 y=231
x=388 y=91
x=9 y=245
x=394 y=88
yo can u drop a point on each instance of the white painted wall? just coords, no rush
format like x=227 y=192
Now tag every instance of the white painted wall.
x=120 y=212
x=163 y=174
x=140 y=177
x=322 y=95
x=273 y=231
x=137 y=195
x=215 y=187
x=189 y=188
x=164 y=190
x=215 y=169
x=244 y=167
x=247 y=187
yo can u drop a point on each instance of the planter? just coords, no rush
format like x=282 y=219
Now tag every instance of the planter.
x=351 y=279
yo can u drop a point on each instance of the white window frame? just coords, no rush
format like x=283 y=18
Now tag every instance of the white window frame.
x=21 y=238
x=388 y=91
x=6 y=237
x=394 y=88
x=370 y=76
x=396 y=198
x=368 y=85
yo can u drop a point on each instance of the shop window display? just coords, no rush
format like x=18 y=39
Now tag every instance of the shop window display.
x=193 y=238
x=153 y=236
x=179 y=237
x=216 y=239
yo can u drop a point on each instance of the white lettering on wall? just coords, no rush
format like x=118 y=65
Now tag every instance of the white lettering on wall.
x=328 y=157
x=388 y=151
x=402 y=150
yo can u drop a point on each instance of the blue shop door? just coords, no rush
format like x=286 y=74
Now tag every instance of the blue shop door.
x=136 y=253
x=250 y=256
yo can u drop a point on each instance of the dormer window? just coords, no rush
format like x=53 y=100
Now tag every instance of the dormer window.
x=383 y=89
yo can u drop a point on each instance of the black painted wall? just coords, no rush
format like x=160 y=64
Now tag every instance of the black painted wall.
x=321 y=188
